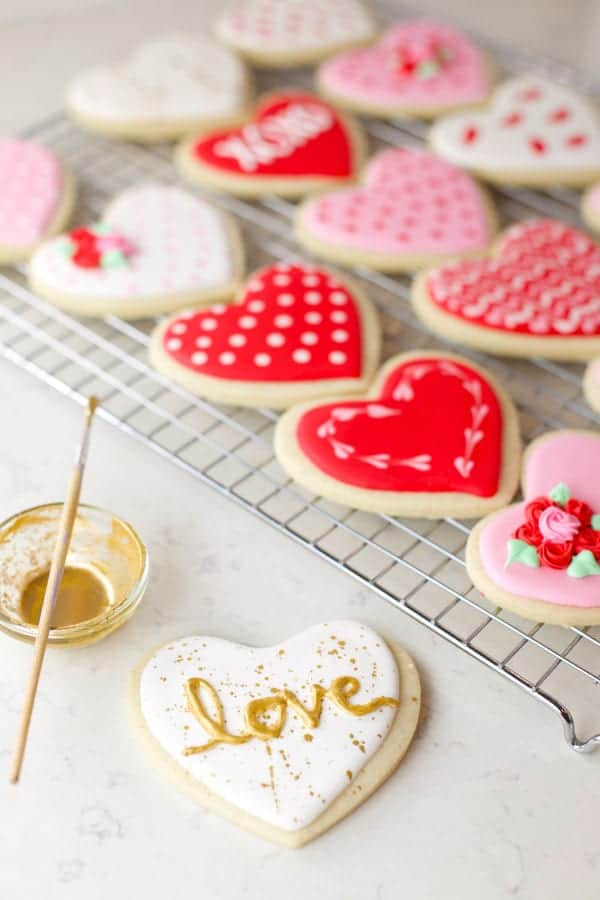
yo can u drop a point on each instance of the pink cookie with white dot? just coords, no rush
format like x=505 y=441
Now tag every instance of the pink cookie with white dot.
x=296 y=332
x=36 y=197
x=412 y=210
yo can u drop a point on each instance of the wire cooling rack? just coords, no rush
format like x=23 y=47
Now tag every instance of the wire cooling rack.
x=415 y=565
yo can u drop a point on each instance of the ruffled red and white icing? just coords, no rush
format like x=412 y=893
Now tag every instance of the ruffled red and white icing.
x=418 y=65
x=411 y=203
x=31 y=186
x=290 y=26
x=573 y=459
x=293 y=323
x=292 y=134
x=532 y=125
x=544 y=281
x=435 y=426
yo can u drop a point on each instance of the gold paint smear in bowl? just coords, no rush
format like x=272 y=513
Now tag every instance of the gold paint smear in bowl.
x=105 y=577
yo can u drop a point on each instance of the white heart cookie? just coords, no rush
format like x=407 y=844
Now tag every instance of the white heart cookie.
x=163 y=90
x=179 y=251
x=534 y=132
x=288 y=32
x=284 y=740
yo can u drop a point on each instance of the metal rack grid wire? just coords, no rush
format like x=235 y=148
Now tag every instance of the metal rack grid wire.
x=416 y=565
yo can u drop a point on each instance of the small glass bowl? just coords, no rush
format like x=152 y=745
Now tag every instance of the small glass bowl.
x=102 y=543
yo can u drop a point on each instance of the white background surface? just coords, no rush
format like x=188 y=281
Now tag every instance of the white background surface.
x=488 y=804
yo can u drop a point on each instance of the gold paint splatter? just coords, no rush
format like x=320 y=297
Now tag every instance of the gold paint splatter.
x=308 y=737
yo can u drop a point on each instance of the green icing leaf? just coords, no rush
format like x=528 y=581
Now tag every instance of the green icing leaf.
x=113 y=259
x=596 y=522
x=560 y=493
x=101 y=228
x=67 y=248
x=427 y=69
x=520 y=551
x=583 y=564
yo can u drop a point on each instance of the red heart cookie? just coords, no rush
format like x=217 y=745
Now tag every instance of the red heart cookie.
x=435 y=437
x=295 y=332
x=294 y=143
x=540 y=294
x=413 y=209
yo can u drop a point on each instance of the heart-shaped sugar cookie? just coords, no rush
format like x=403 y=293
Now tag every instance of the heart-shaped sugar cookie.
x=164 y=90
x=283 y=740
x=538 y=295
x=36 y=197
x=294 y=143
x=541 y=558
x=421 y=68
x=412 y=210
x=295 y=332
x=293 y=32
x=157 y=249
x=436 y=436
x=534 y=133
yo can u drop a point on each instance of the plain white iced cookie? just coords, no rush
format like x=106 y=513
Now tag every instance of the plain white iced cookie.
x=165 y=89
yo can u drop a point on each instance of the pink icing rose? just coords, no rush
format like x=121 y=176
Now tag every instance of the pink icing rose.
x=557 y=525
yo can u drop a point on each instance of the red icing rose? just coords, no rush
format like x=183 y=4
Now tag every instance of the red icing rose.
x=580 y=509
x=528 y=533
x=535 y=508
x=556 y=555
x=588 y=539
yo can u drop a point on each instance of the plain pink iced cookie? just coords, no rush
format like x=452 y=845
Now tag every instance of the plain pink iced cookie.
x=412 y=210
x=541 y=557
x=31 y=191
x=419 y=67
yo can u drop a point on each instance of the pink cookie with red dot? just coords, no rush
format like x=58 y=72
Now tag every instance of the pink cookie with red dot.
x=533 y=133
x=422 y=68
x=412 y=210
x=36 y=197
x=296 y=332
x=539 y=294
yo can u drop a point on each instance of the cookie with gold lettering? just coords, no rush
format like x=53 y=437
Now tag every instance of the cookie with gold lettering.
x=287 y=740
x=294 y=143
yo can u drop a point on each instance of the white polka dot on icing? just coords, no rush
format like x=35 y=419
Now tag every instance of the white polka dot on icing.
x=238 y=340
x=338 y=298
x=310 y=280
x=275 y=339
x=285 y=300
x=313 y=318
x=337 y=358
x=283 y=321
x=209 y=324
x=247 y=322
x=339 y=316
x=173 y=344
x=255 y=285
x=262 y=359
x=309 y=338
x=227 y=358
x=256 y=306
x=203 y=341
x=313 y=297
x=218 y=309
x=179 y=328
x=199 y=358
x=301 y=356
x=281 y=280
x=339 y=336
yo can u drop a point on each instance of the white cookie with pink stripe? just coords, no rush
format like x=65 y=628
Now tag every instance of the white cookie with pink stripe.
x=156 y=250
x=291 y=32
x=36 y=197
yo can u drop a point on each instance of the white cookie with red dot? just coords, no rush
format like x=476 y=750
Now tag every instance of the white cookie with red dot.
x=280 y=33
x=37 y=196
x=157 y=249
x=295 y=332
x=165 y=89
x=534 y=133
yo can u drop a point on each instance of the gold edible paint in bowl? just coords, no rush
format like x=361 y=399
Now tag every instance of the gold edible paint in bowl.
x=105 y=576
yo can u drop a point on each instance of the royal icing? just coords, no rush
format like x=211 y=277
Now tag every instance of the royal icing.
x=293 y=323
x=544 y=281
x=289 y=26
x=98 y=247
x=533 y=125
x=179 y=244
x=411 y=203
x=290 y=135
x=278 y=732
x=174 y=78
x=31 y=185
x=394 y=443
x=563 y=466
x=421 y=65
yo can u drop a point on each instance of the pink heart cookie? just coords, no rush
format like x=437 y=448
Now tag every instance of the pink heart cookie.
x=36 y=197
x=412 y=210
x=541 y=557
x=420 y=68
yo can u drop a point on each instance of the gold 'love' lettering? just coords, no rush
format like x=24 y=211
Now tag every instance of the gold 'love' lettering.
x=265 y=717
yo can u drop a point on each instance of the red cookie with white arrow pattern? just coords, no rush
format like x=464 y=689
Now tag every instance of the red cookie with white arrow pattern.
x=539 y=294
x=435 y=436
x=295 y=143
x=296 y=332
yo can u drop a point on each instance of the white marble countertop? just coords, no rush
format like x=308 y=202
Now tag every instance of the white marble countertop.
x=489 y=803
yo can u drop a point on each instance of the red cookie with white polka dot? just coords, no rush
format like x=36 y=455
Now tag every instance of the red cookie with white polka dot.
x=296 y=332
x=533 y=133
